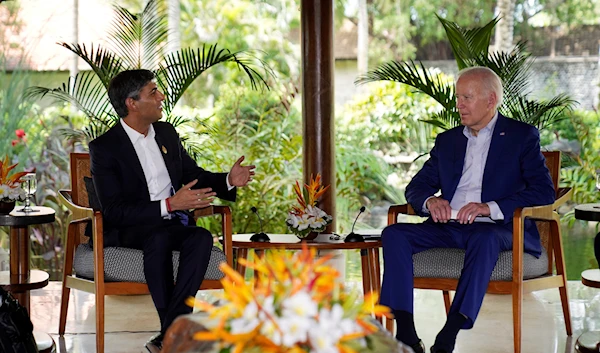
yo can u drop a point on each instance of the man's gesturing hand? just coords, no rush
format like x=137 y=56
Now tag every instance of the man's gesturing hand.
x=471 y=210
x=439 y=209
x=241 y=175
x=186 y=198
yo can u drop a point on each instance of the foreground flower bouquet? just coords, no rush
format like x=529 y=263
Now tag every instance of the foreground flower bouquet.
x=307 y=218
x=295 y=305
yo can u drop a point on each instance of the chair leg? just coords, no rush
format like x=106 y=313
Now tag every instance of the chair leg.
x=389 y=325
x=517 y=299
x=562 y=271
x=64 y=308
x=564 y=299
x=100 y=322
x=447 y=301
x=67 y=272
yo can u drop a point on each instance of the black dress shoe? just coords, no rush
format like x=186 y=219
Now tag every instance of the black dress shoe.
x=418 y=347
x=154 y=345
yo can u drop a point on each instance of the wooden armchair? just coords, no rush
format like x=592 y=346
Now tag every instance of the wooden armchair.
x=523 y=273
x=77 y=251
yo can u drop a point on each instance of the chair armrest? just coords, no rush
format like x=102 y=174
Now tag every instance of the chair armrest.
x=78 y=212
x=564 y=195
x=226 y=226
x=396 y=210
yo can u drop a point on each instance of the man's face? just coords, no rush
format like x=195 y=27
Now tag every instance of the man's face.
x=475 y=105
x=149 y=106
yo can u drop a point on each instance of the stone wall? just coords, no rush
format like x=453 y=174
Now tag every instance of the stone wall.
x=577 y=76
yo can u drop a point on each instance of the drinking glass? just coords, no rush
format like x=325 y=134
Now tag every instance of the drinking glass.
x=30 y=186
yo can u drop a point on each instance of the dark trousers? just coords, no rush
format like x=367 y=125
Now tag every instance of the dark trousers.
x=158 y=242
x=481 y=241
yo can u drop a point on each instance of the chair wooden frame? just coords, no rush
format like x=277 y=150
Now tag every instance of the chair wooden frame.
x=548 y=222
x=77 y=202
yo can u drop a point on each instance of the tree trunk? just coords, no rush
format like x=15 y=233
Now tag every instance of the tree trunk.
x=363 y=37
x=505 y=27
x=174 y=37
x=73 y=67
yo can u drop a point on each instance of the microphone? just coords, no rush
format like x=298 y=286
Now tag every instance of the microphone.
x=353 y=237
x=259 y=237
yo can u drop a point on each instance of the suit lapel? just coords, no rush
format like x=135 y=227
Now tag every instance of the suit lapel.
x=460 y=149
x=128 y=153
x=496 y=147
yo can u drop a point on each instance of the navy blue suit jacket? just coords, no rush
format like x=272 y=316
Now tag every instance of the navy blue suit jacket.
x=515 y=173
x=121 y=185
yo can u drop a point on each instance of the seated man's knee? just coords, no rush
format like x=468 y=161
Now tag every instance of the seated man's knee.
x=395 y=234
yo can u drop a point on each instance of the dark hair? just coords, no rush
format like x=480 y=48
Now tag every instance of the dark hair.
x=127 y=84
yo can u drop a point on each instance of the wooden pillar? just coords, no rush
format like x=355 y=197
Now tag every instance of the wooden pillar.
x=317 y=97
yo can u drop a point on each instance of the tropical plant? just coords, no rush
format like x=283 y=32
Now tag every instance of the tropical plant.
x=139 y=41
x=470 y=48
x=266 y=129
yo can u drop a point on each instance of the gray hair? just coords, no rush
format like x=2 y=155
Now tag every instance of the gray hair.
x=490 y=80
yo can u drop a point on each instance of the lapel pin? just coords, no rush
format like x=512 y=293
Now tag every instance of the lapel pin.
x=164 y=150
x=501 y=134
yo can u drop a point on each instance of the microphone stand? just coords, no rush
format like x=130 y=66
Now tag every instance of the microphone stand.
x=353 y=237
x=259 y=237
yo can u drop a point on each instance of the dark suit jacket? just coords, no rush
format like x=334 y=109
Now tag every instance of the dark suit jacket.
x=121 y=185
x=515 y=173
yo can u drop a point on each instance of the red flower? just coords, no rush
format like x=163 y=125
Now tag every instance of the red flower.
x=14 y=142
x=20 y=133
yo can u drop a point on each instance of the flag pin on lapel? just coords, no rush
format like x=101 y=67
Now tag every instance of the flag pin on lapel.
x=501 y=134
x=164 y=150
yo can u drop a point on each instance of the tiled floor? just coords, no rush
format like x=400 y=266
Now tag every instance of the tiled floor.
x=131 y=320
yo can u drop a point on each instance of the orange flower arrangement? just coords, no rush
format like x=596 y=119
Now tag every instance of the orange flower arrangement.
x=296 y=304
x=307 y=217
x=10 y=186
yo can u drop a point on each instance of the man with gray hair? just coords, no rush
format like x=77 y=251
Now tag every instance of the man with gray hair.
x=485 y=169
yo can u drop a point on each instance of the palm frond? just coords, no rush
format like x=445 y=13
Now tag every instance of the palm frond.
x=513 y=68
x=414 y=75
x=179 y=69
x=468 y=43
x=87 y=93
x=124 y=36
x=154 y=34
x=102 y=61
x=138 y=38
x=539 y=113
x=445 y=119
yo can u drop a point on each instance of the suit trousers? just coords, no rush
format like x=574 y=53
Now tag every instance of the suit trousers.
x=158 y=242
x=482 y=243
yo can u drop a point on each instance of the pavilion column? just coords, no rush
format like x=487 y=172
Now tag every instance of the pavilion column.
x=317 y=97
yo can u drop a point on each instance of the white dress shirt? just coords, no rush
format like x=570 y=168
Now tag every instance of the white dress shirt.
x=153 y=164
x=471 y=180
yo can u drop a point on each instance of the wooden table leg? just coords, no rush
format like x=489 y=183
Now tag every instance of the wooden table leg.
x=19 y=261
x=366 y=271
x=241 y=253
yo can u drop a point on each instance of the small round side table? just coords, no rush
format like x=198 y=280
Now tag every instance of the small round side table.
x=589 y=342
x=19 y=280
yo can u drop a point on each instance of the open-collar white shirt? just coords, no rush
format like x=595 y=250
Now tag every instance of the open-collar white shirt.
x=153 y=165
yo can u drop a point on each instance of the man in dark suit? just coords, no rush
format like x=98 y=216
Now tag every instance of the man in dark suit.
x=146 y=183
x=485 y=170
